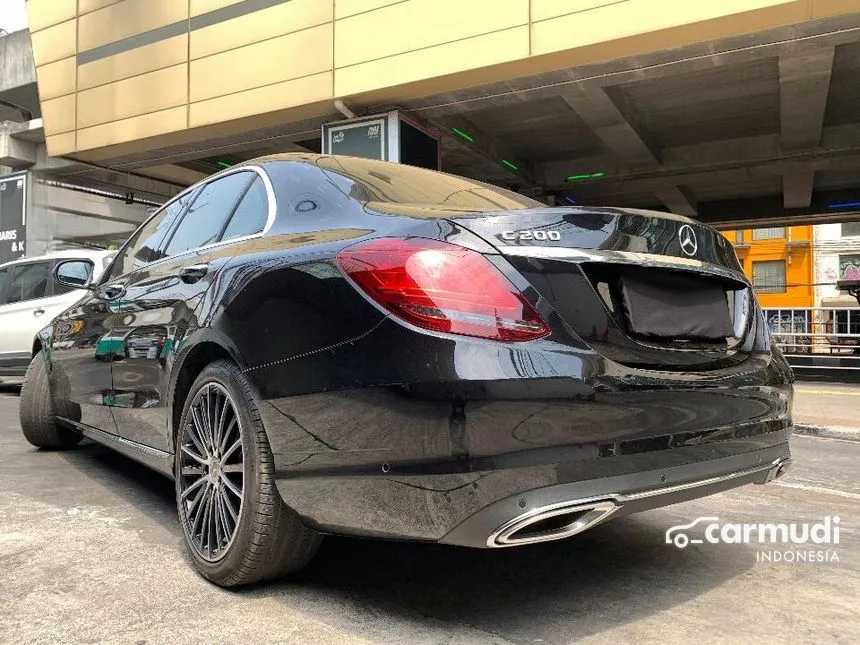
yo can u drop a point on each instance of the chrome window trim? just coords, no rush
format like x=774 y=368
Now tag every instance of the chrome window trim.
x=270 y=220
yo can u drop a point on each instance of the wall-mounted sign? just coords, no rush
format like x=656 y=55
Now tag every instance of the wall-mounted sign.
x=13 y=219
x=365 y=138
x=387 y=137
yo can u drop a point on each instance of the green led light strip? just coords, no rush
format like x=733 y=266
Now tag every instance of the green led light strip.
x=223 y=164
x=587 y=175
x=508 y=164
x=463 y=135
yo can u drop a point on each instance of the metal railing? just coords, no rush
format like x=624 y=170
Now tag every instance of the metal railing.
x=817 y=337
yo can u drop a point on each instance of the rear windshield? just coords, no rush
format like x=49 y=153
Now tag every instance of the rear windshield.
x=368 y=180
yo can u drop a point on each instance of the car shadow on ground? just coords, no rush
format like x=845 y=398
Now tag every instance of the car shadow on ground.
x=614 y=574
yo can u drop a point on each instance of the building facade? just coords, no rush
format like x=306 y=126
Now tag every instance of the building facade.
x=779 y=262
x=837 y=257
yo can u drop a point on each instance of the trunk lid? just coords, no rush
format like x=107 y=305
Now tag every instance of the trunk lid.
x=645 y=289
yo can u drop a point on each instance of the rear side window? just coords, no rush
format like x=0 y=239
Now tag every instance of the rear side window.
x=29 y=281
x=144 y=246
x=251 y=214
x=207 y=217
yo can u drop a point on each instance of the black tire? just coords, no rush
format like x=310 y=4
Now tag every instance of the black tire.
x=269 y=539
x=36 y=411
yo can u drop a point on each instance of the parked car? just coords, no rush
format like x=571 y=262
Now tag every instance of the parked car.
x=318 y=345
x=29 y=299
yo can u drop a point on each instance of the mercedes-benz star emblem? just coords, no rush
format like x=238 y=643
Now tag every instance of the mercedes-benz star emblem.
x=687 y=236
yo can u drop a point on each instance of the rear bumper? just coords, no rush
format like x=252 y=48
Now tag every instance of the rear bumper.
x=516 y=519
x=444 y=435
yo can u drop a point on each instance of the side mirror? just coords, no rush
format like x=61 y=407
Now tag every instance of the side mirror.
x=75 y=274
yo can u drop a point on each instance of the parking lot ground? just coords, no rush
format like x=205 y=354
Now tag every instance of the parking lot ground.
x=90 y=551
x=831 y=406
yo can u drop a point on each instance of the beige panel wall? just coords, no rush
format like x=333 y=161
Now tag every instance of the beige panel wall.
x=344 y=8
x=142 y=94
x=205 y=6
x=58 y=115
x=159 y=55
x=54 y=43
x=543 y=9
x=291 y=56
x=260 y=25
x=140 y=127
x=57 y=78
x=44 y=13
x=127 y=18
x=60 y=144
x=390 y=31
x=636 y=17
x=300 y=91
x=458 y=56
x=86 y=6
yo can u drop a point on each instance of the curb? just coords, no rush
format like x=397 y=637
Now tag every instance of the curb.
x=828 y=432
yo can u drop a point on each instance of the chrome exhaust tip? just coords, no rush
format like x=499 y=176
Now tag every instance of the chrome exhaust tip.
x=778 y=469
x=553 y=522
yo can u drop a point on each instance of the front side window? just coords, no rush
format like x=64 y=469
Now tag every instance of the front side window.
x=251 y=213
x=144 y=246
x=205 y=220
x=29 y=281
x=769 y=276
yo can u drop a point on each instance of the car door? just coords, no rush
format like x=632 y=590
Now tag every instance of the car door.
x=82 y=349
x=22 y=313
x=161 y=300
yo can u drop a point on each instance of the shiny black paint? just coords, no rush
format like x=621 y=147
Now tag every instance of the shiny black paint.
x=80 y=371
x=381 y=429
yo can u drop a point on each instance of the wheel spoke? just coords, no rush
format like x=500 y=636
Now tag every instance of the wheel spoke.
x=227 y=520
x=200 y=517
x=187 y=450
x=232 y=468
x=199 y=428
x=219 y=528
x=231 y=450
x=219 y=432
x=201 y=492
x=208 y=522
x=231 y=486
x=230 y=510
x=227 y=432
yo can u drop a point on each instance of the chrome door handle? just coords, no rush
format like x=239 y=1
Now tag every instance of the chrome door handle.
x=193 y=273
x=38 y=312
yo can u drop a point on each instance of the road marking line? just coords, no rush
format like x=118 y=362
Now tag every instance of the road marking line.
x=819 y=489
x=836 y=392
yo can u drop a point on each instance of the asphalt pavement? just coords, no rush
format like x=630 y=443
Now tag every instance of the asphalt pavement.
x=91 y=551
x=831 y=409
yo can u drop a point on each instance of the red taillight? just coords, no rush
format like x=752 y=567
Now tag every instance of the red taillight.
x=443 y=287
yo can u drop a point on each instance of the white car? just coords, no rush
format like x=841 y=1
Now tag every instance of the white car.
x=29 y=300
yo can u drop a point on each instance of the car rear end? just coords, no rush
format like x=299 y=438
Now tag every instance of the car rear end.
x=617 y=368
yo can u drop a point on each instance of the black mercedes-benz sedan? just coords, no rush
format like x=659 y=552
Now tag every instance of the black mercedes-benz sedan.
x=316 y=345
